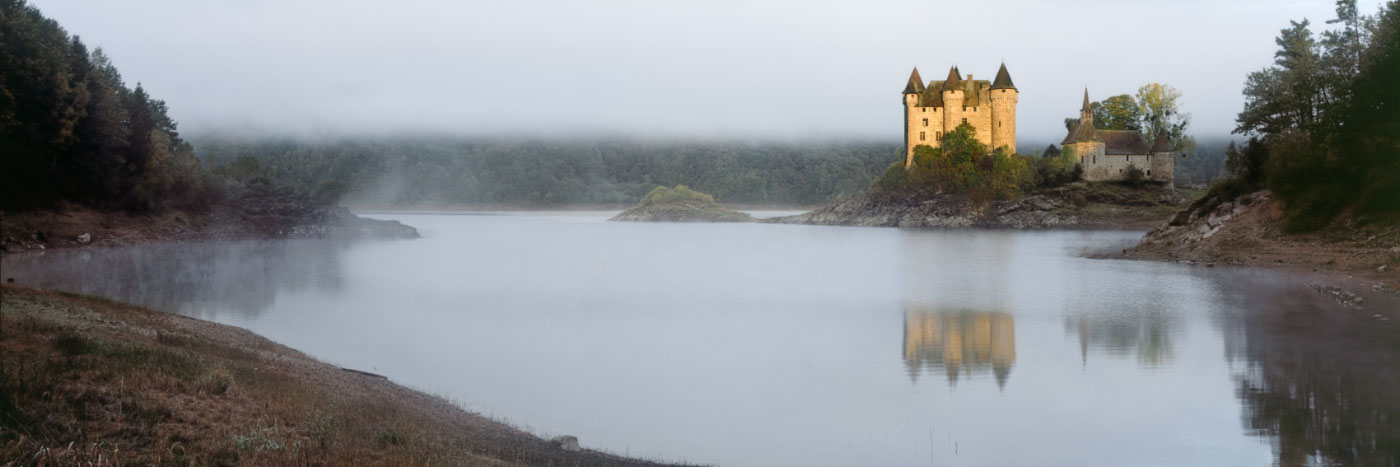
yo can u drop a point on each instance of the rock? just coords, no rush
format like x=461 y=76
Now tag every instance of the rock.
x=566 y=442
x=1381 y=269
x=85 y=238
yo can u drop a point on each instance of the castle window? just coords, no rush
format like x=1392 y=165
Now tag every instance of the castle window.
x=921 y=136
x=938 y=135
x=998 y=123
x=1149 y=172
x=925 y=122
x=1096 y=159
x=964 y=120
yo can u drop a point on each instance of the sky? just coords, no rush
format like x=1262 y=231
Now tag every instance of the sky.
x=711 y=69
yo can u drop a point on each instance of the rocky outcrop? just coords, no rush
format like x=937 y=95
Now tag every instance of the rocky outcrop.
x=1204 y=220
x=940 y=211
x=1248 y=230
x=1077 y=205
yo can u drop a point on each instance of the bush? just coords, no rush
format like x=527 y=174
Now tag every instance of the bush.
x=1053 y=172
x=662 y=195
x=962 y=165
x=1134 y=176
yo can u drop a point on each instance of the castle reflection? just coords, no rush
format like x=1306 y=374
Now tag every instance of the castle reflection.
x=959 y=344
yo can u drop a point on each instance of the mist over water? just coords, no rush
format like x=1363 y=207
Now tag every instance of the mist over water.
x=754 y=344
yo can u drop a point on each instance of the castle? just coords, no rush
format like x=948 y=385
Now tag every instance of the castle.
x=1111 y=154
x=941 y=106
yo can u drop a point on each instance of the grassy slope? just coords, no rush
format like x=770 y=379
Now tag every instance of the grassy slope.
x=86 y=380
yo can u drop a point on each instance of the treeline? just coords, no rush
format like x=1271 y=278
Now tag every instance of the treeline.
x=1324 y=121
x=72 y=131
x=540 y=172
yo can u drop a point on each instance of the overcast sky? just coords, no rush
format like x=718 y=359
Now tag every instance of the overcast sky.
x=695 y=69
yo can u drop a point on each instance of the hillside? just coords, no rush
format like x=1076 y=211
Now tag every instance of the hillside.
x=88 y=159
x=1318 y=183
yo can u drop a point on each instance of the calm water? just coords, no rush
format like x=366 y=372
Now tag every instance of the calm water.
x=797 y=345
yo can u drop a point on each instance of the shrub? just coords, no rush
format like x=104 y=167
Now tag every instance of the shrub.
x=681 y=193
x=962 y=165
x=1134 y=176
x=1056 y=171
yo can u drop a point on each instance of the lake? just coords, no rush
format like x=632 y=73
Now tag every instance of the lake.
x=781 y=345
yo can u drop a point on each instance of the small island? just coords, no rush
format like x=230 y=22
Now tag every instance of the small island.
x=680 y=204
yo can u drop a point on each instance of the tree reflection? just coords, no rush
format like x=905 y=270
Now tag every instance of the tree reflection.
x=961 y=343
x=1146 y=335
x=1320 y=381
x=195 y=279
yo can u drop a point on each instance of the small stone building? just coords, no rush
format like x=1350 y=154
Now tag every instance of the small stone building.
x=1108 y=155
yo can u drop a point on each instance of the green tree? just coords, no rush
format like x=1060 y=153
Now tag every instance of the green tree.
x=1159 y=111
x=1119 y=112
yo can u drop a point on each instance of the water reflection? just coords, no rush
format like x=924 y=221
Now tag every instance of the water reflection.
x=959 y=344
x=196 y=279
x=1323 y=386
x=1148 y=336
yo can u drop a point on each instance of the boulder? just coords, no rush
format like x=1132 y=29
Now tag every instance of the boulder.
x=85 y=238
x=566 y=442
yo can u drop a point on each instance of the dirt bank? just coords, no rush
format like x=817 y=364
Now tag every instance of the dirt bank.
x=87 y=381
x=261 y=212
x=1076 y=205
x=1247 y=231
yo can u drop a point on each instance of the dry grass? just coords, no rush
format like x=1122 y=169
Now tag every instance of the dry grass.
x=86 y=381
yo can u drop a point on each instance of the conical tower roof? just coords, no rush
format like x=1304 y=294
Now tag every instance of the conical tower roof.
x=954 y=80
x=1003 y=79
x=1086 y=101
x=1163 y=143
x=916 y=84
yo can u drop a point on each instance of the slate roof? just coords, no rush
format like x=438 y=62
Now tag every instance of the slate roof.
x=954 y=80
x=975 y=93
x=1119 y=142
x=1003 y=79
x=1163 y=143
x=1081 y=133
x=916 y=84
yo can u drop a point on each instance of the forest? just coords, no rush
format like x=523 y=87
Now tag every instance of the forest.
x=72 y=131
x=446 y=171
x=1323 y=122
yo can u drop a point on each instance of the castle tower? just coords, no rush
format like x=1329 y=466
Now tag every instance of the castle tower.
x=912 y=90
x=934 y=109
x=952 y=94
x=1004 y=96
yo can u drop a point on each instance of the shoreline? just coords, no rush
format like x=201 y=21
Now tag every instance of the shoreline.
x=94 y=380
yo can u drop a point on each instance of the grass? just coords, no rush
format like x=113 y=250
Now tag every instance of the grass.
x=87 y=381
